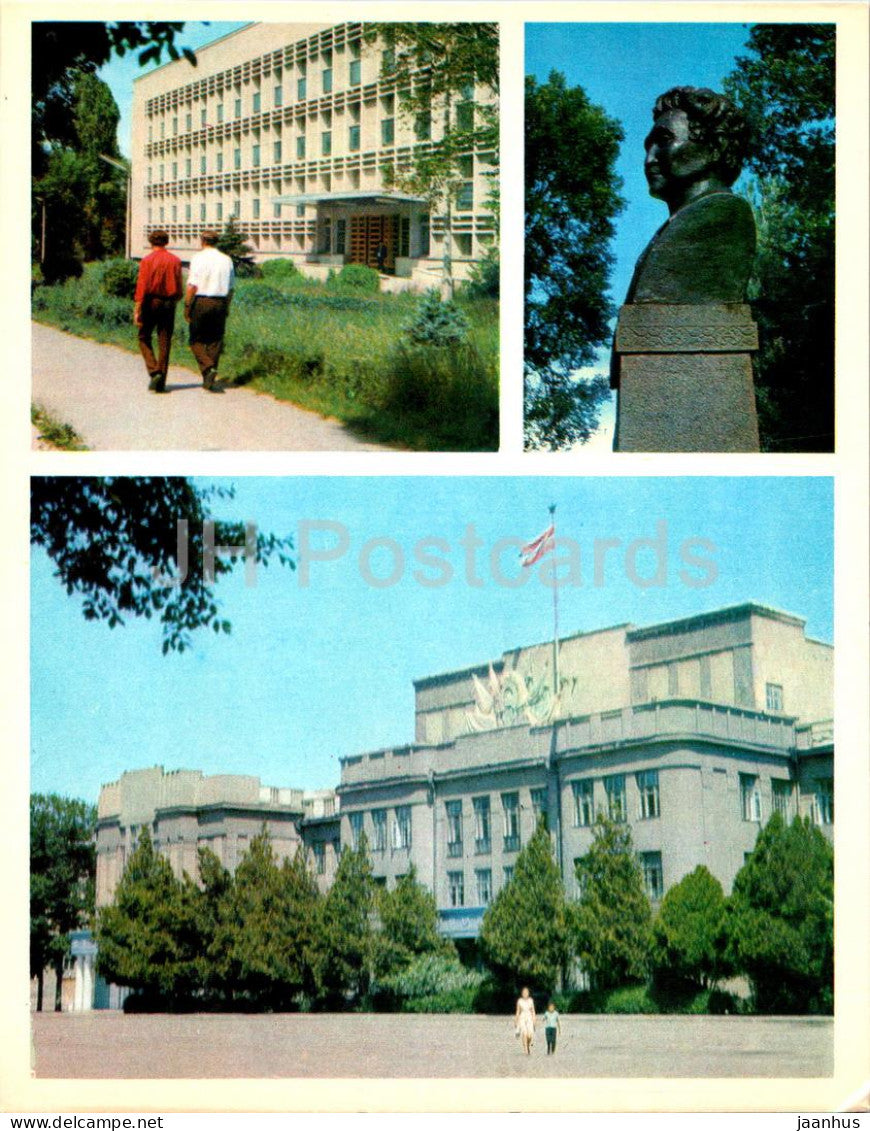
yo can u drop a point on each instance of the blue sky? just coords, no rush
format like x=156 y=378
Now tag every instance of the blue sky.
x=120 y=73
x=312 y=674
x=623 y=68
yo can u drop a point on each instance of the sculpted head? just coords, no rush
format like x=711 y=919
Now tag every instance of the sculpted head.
x=697 y=144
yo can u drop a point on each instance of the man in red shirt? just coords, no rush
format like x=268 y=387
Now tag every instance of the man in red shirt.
x=158 y=290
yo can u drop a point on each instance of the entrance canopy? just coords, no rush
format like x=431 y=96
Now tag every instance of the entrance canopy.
x=352 y=198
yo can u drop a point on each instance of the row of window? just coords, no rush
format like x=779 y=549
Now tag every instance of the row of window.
x=400 y=828
x=482 y=821
x=648 y=801
x=782 y=793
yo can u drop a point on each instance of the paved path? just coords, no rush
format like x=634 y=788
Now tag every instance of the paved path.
x=101 y=391
x=112 y=1045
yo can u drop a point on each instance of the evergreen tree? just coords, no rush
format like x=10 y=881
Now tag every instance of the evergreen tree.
x=346 y=943
x=435 y=67
x=232 y=243
x=408 y=918
x=572 y=197
x=781 y=922
x=524 y=934
x=689 y=930
x=147 y=938
x=612 y=918
x=62 y=869
x=785 y=86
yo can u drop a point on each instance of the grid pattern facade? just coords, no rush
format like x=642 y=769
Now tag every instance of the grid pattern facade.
x=311 y=117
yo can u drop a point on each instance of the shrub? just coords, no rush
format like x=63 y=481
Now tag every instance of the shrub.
x=279 y=270
x=64 y=265
x=118 y=278
x=431 y=983
x=689 y=930
x=354 y=277
x=437 y=324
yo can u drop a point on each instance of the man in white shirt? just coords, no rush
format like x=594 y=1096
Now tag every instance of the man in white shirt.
x=206 y=306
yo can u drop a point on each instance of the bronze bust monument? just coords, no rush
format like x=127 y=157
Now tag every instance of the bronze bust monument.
x=684 y=317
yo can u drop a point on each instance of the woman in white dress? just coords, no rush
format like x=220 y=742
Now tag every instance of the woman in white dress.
x=525 y=1019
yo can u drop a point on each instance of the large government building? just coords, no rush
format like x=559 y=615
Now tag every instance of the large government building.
x=693 y=732
x=296 y=131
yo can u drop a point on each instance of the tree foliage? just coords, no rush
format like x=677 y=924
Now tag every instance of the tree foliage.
x=115 y=543
x=612 y=918
x=347 y=939
x=62 y=870
x=572 y=197
x=524 y=934
x=689 y=930
x=785 y=86
x=781 y=923
x=232 y=243
x=434 y=67
x=408 y=926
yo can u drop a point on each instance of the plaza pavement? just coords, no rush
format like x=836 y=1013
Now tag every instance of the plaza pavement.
x=107 y=1045
x=101 y=391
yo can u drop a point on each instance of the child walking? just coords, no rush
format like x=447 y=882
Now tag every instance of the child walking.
x=552 y=1026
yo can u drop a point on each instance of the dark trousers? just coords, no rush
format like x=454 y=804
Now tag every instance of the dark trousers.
x=157 y=314
x=550 y=1034
x=208 y=320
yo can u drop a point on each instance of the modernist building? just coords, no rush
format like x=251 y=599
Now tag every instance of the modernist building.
x=693 y=732
x=292 y=129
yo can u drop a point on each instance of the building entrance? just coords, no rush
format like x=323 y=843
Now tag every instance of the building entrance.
x=366 y=235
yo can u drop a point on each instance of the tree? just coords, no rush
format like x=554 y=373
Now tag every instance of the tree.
x=524 y=934
x=785 y=87
x=572 y=197
x=147 y=938
x=267 y=929
x=62 y=870
x=612 y=918
x=232 y=243
x=347 y=936
x=781 y=921
x=435 y=67
x=408 y=925
x=689 y=930
x=115 y=542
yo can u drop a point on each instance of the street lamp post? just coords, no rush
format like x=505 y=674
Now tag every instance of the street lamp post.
x=124 y=166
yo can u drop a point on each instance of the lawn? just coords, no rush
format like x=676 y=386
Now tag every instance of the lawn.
x=339 y=350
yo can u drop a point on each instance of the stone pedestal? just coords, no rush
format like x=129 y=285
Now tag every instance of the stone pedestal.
x=684 y=375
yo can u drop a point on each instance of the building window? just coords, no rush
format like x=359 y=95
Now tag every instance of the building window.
x=220 y=162
x=276 y=211
x=203 y=116
x=774 y=697
x=614 y=787
x=454 y=828
x=175 y=125
x=149 y=174
x=651 y=862
x=353 y=138
x=256 y=208
x=326 y=143
x=175 y=170
x=507 y=874
x=355 y=72
x=340 y=236
x=219 y=211
x=237 y=208
x=220 y=112
x=456 y=888
x=483 y=876
x=202 y=212
x=162 y=129
x=319 y=849
x=424 y=236
x=510 y=803
x=824 y=806
x=750 y=797
x=300 y=209
x=648 y=791
x=238 y=108
x=465 y=196
x=256 y=103
x=278 y=94
x=388 y=131
x=465 y=116
x=379 y=822
x=255 y=155
x=326 y=80
x=584 y=807
x=162 y=168
x=781 y=791
x=388 y=61
x=482 y=825
x=301 y=87
x=187 y=215
x=188 y=122
x=300 y=146
x=203 y=165
x=276 y=151
x=423 y=126
x=237 y=158
x=356 y=828
x=540 y=807
x=404 y=236
x=161 y=213
x=174 y=212
x=402 y=827
x=463 y=243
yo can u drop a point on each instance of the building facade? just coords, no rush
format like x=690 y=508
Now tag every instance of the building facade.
x=295 y=130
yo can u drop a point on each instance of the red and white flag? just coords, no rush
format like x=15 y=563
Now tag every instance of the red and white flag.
x=533 y=551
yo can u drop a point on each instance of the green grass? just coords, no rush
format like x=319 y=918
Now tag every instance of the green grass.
x=59 y=435
x=331 y=348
